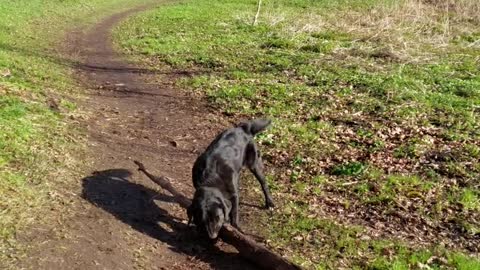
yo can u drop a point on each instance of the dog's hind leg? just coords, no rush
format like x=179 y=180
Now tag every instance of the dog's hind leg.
x=255 y=165
x=257 y=171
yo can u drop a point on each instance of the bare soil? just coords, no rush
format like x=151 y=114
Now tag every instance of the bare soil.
x=114 y=217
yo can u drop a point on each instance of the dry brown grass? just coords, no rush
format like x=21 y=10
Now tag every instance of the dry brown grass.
x=410 y=22
x=409 y=27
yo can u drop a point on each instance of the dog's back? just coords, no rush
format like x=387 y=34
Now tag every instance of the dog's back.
x=225 y=156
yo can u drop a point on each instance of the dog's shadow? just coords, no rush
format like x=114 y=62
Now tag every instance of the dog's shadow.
x=132 y=203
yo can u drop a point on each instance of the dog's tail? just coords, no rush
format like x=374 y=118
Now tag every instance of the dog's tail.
x=255 y=126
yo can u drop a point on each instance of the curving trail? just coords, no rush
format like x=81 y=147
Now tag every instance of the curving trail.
x=111 y=220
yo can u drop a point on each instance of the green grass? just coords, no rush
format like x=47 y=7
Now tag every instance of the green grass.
x=375 y=107
x=37 y=141
x=323 y=244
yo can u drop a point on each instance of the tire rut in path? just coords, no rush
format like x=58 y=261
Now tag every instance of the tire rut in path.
x=138 y=114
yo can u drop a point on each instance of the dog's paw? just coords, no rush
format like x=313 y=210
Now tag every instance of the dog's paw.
x=269 y=205
x=238 y=228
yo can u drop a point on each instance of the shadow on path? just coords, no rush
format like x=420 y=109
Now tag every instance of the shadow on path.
x=132 y=203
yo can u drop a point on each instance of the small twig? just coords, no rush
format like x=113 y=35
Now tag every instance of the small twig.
x=349 y=183
x=258 y=12
x=475 y=43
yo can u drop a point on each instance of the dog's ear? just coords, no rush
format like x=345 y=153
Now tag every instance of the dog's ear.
x=255 y=126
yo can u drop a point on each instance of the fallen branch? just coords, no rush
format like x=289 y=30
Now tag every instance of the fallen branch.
x=165 y=184
x=247 y=247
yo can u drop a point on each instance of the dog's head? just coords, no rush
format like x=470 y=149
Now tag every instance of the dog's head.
x=208 y=211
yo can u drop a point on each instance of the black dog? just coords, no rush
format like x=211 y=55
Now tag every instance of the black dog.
x=215 y=177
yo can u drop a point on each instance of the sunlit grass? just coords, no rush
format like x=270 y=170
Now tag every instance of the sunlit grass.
x=375 y=107
x=37 y=97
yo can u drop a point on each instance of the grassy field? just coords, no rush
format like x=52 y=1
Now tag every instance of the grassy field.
x=37 y=102
x=374 y=152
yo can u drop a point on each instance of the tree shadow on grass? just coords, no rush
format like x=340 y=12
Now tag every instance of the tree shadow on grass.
x=117 y=67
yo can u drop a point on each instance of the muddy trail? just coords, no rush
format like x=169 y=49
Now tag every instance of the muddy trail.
x=116 y=218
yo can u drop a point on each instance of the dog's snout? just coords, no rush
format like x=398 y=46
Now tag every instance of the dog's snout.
x=213 y=235
x=213 y=231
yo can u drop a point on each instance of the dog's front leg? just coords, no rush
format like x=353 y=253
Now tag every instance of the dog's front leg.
x=234 y=212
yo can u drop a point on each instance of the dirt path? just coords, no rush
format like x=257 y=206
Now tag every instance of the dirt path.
x=114 y=224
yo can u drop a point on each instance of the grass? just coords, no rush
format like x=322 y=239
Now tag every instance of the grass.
x=37 y=99
x=332 y=245
x=376 y=117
